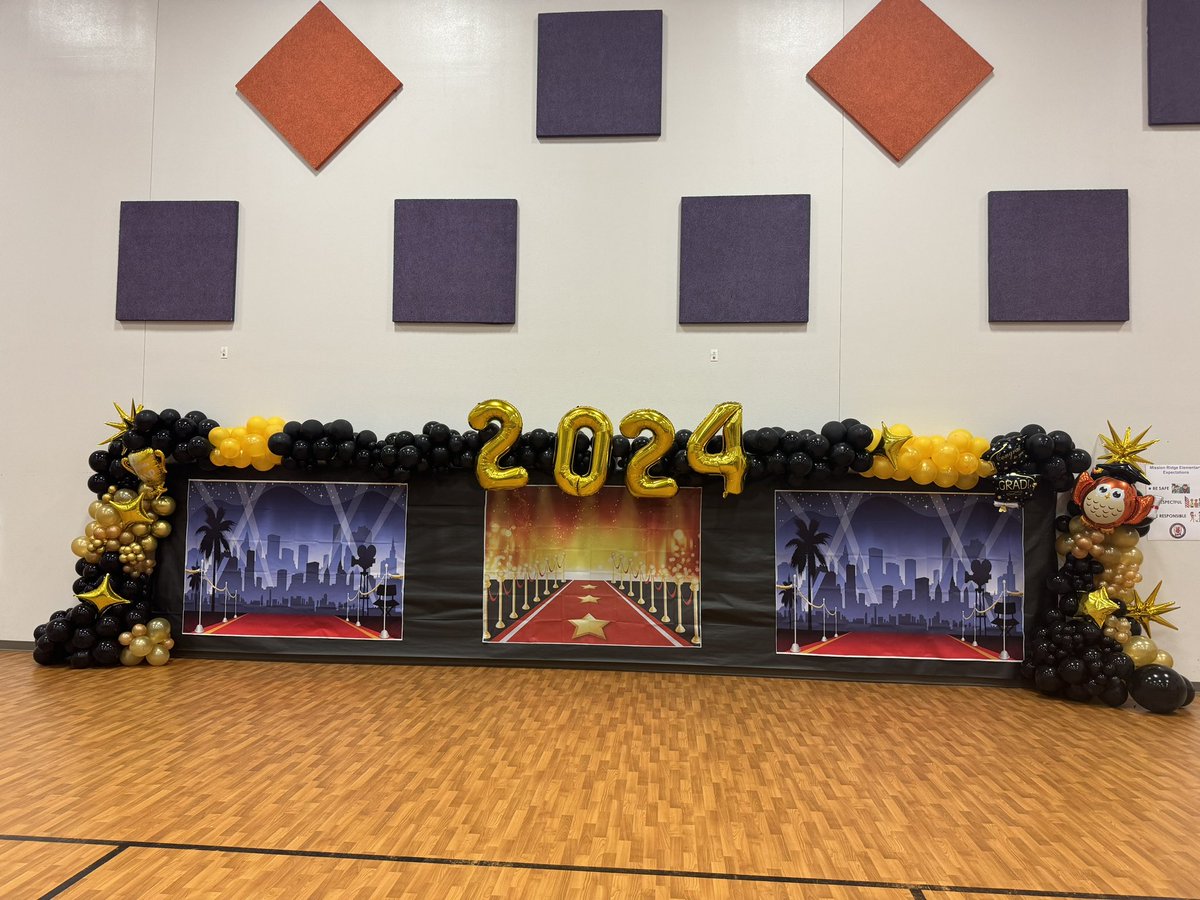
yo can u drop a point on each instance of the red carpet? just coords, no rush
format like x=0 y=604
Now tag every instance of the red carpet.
x=909 y=646
x=625 y=623
x=299 y=625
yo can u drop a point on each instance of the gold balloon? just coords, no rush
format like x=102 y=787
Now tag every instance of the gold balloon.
x=149 y=544
x=80 y=546
x=169 y=643
x=158 y=655
x=150 y=466
x=1141 y=650
x=138 y=630
x=159 y=629
x=163 y=506
x=129 y=658
x=124 y=638
x=106 y=515
x=139 y=530
x=488 y=471
x=140 y=645
x=1163 y=658
x=161 y=529
x=730 y=461
x=103 y=596
x=661 y=440
x=564 y=453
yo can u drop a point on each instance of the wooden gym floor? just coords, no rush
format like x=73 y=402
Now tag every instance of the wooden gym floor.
x=237 y=779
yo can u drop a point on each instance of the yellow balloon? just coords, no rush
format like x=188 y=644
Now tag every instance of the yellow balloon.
x=230 y=448
x=946 y=478
x=925 y=472
x=216 y=458
x=662 y=439
x=275 y=425
x=217 y=435
x=238 y=433
x=730 y=461
x=488 y=471
x=582 y=417
x=908 y=459
x=262 y=464
x=986 y=469
x=922 y=444
x=980 y=445
x=881 y=468
x=967 y=463
x=901 y=430
x=256 y=425
x=966 y=482
x=946 y=456
x=960 y=439
x=255 y=445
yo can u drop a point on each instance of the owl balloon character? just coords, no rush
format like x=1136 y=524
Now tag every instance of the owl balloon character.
x=1108 y=497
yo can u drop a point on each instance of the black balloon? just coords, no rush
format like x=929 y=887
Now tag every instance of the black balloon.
x=59 y=630
x=1072 y=670
x=1046 y=680
x=81 y=659
x=1159 y=689
x=1115 y=694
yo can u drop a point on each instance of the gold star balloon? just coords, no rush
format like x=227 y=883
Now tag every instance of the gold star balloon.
x=132 y=512
x=102 y=597
x=1150 y=610
x=1125 y=449
x=124 y=421
x=1098 y=605
x=589 y=624
x=889 y=444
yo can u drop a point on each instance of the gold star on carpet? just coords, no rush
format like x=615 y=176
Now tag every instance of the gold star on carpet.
x=1125 y=449
x=1146 y=611
x=889 y=444
x=124 y=422
x=102 y=597
x=588 y=598
x=1098 y=605
x=589 y=587
x=589 y=624
x=131 y=511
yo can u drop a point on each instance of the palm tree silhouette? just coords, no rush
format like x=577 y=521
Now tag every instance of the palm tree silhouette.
x=806 y=554
x=214 y=546
x=194 y=580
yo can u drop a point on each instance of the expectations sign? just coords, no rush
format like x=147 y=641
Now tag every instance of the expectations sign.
x=1177 y=514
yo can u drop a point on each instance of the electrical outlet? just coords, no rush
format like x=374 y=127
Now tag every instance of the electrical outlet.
x=224 y=353
x=713 y=356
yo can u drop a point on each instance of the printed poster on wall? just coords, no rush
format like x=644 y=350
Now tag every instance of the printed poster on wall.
x=295 y=559
x=1176 y=491
x=899 y=575
x=610 y=569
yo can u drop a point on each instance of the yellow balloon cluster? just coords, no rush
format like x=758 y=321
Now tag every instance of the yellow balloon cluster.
x=1118 y=552
x=151 y=642
x=947 y=461
x=246 y=445
x=127 y=523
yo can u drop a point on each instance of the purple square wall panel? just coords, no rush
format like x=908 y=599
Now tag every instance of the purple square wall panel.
x=744 y=259
x=1058 y=256
x=177 y=260
x=599 y=74
x=455 y=261
x=1173 y=61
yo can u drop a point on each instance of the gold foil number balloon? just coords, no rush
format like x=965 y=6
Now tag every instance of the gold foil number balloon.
x=730 y=461
x=491 y=475
x=572 y=483
x=662 y=439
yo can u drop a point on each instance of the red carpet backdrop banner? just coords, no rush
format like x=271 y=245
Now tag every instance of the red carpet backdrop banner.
x=913 y=576
x=610 y=569
x=295 y=559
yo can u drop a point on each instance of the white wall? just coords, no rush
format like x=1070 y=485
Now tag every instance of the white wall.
x=110 y=100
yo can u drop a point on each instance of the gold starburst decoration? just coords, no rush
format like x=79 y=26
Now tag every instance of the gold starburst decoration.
x=1149 y=610
x=1125 y=449
x=124 y=421
x=889 y=444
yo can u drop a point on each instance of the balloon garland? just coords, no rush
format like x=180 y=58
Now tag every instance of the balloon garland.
x=1089 y=639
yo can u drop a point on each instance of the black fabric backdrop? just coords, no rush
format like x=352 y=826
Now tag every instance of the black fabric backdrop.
x=443 y=578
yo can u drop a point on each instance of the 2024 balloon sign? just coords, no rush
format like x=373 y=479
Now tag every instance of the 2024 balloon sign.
x=725 y=420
